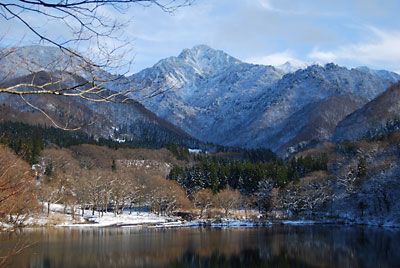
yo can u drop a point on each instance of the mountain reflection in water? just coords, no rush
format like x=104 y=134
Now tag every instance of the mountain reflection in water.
x=276 y=246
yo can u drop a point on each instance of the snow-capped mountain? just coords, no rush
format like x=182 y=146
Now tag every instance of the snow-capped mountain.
x=209 y=92
x=131 y=121
x=217 y=98
x=294 y=65
x=375 y=118
x=380 y=73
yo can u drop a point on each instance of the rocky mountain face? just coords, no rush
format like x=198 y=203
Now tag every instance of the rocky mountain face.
x=211 y=94
x=294 y=65
x=376 y=117
x=217 y=98
x=97 y=119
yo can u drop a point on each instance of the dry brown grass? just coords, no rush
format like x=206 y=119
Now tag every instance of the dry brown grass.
x=54 y=220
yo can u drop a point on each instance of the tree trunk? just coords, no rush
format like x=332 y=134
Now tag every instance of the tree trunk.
x=123 y=207
x=48 y=209
x=73 y=212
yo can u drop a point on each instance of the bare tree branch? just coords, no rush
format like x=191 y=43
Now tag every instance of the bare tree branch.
x=87 y=26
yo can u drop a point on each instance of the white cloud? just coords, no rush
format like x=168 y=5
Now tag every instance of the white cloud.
x=267 y=5
x=274 y=59
x=325 y=56
x=381 y=50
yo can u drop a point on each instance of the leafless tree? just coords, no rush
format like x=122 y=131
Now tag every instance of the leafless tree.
x=50 y=192
x=16 y=187
x=93 y=181
x=120 y=190
x=134 y=192
x=17 y=198
x=203 y=200
x=166 y=196
x=349 y=180
x=228 y=199
x=307 y=197
x=93 y=46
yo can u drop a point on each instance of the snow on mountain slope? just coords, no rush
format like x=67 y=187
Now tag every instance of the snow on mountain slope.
x=210 y=91
x=382 y=112
x=215 y=97
x=380 y=73
x=219 y=99
x=98 y=119
x=311 y=85
x=294 y=65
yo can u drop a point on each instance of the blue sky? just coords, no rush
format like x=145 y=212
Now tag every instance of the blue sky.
x=348 y=32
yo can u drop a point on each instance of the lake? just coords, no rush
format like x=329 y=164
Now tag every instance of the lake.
x=274 y=246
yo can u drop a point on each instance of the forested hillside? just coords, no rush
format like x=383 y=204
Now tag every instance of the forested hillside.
x=354 y=181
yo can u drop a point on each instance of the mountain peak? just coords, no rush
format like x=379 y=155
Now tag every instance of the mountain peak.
x=197 y=52
x=205 y=58
x=293 y=65
x=205 y=53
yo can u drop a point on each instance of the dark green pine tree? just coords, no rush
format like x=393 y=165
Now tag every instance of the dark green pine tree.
x=361 y=168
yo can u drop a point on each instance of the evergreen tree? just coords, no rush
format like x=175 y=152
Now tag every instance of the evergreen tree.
x=113 y=166
x=361 y=168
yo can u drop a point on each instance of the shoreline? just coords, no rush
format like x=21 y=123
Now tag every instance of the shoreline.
x=227 y=223
x=137 y=219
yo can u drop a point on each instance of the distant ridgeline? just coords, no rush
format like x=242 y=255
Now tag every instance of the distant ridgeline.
x=28 y=141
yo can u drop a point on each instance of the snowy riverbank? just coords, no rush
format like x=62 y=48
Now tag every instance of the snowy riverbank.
x=57 y=218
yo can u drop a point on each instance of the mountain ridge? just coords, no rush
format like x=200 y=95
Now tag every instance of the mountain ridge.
x=255 y=100
x=217 y=98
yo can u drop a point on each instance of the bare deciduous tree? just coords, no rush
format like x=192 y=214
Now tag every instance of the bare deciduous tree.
x=17 y=196
x=203 y=200
x=166 y=196
x=16 y=187
x=93 y=45
x=228 y=199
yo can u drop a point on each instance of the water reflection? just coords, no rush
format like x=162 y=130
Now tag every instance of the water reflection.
x=277 y=246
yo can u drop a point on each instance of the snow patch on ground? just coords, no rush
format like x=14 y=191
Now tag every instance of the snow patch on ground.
x=135 y=219
x=57 y=218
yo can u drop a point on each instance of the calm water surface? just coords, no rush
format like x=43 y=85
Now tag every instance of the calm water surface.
x=277 y=246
